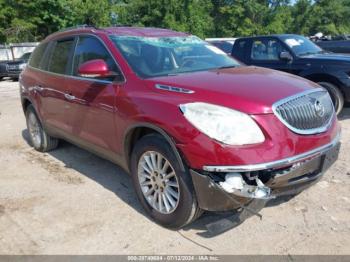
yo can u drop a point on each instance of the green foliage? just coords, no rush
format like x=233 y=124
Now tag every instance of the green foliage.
x=33 y=20
x=186 y=15
x=91 y=12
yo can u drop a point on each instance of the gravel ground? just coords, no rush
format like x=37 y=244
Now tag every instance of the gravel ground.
x=71 y=202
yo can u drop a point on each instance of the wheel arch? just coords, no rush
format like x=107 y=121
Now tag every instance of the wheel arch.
x=25 y=103
x=321 y=77
x=137 y=131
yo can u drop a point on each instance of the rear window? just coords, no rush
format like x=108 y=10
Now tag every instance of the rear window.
x=60 y=56
x=37 y=55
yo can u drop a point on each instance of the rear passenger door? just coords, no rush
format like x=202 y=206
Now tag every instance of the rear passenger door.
x=54 y=106
x=265 y=52
x=93 y=99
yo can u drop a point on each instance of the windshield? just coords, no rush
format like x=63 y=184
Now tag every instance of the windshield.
x=161 y=56
x=302 y=46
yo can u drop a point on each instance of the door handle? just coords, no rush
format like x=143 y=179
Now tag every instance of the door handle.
x=69 y=97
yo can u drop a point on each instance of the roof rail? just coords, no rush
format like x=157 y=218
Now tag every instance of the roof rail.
x=77 y=27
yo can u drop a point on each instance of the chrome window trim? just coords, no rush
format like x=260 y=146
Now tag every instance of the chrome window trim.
x=84 y=78
x=278 y=163
x=173 y=89
x=76 y=77
x=296 y=130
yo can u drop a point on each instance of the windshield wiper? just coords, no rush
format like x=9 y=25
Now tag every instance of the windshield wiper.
x=307 y=53
x=230 y=66
x=324 y=52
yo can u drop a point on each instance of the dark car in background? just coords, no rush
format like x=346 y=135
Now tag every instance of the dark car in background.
x=336 y=45
x=13 y=69
x=225 y=44
x=298 y=55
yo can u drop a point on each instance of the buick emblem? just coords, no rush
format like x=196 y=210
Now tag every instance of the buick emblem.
x=319 y=108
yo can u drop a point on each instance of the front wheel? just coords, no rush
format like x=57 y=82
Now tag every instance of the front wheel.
x=336 y=95
x=165 y=192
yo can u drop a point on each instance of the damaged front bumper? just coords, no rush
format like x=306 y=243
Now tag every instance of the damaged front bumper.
x=223 y=188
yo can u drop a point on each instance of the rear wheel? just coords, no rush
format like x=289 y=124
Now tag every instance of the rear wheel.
x=165 y=192
x=39 y=139
x=336 y=95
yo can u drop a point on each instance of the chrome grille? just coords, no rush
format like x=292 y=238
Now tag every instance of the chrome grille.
x=310 y=112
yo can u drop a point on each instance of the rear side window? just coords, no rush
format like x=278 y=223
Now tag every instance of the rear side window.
x=60 y=56
x=90 y=48
x=37 y=55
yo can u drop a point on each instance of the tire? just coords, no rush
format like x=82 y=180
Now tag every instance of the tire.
x=174 y=216
x=336 y=95
x=39 y=139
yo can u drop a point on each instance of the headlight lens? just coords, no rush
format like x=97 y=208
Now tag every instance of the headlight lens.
x=223 y=124
x=22 y=66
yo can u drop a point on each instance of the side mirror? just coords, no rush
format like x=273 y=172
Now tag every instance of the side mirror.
x=94 y=69
x=286 y=56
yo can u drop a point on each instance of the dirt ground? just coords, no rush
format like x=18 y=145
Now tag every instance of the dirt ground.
x=71 y=202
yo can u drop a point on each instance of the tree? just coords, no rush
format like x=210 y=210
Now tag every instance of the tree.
x=330 y=17
x=89 y=12
x=32 y=20
x=182 y=15
x=25 y=20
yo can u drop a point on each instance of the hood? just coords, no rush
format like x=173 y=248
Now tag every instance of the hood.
x=252 y=90
x=329 y=57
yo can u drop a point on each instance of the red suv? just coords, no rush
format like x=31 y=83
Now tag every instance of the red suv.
x=196 y=130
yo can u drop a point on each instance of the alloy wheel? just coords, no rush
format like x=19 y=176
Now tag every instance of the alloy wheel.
x=158 y=182
x=34 y=129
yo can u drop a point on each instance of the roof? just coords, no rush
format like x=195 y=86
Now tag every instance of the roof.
x=123 y=30
x=274 y=35
x=143 y=31
x=221 y=39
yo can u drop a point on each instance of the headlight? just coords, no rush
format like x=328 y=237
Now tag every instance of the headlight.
x=22 y=66
x=223 y=124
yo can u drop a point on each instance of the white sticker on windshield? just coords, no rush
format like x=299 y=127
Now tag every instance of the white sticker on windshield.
x=215 y=50
x=292 y=42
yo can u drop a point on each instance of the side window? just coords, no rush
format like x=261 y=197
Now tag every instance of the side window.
x=60 y=56
x=224 y=46
x=268 y=49
x=90 y=48
x=37 y=55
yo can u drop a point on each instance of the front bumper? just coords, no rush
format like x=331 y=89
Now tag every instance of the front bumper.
x=14 y=74
x=283 y=177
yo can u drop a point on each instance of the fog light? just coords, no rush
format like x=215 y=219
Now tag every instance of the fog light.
x=233 y=181
x=235 y=184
